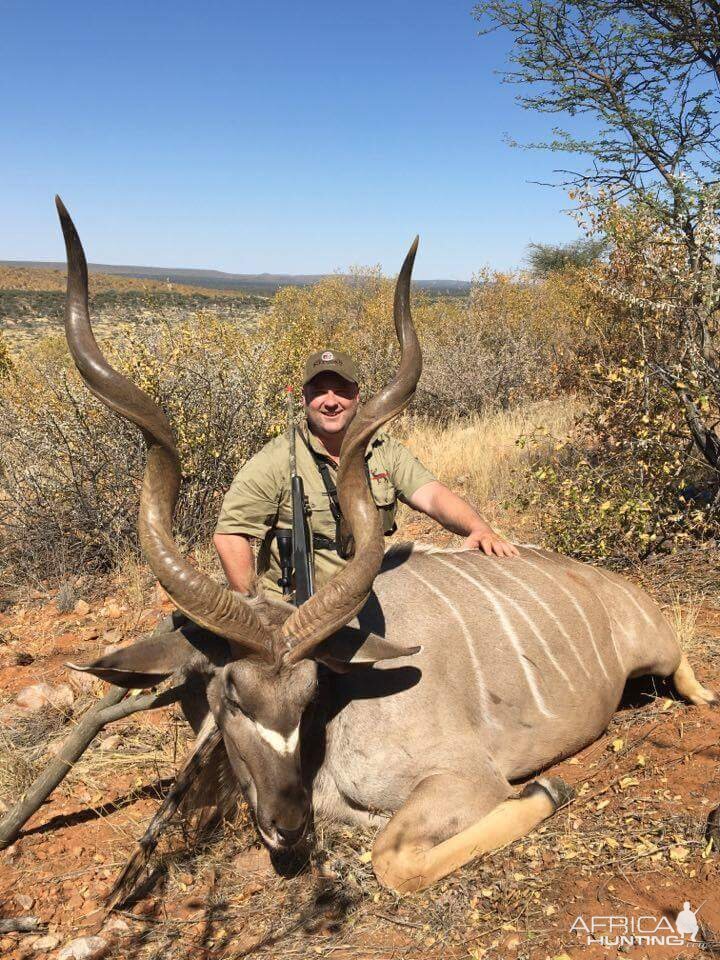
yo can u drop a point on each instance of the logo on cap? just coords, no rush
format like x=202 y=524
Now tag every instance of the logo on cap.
x=328 y=355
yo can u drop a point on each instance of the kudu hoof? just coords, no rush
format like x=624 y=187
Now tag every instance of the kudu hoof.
x=559 y=792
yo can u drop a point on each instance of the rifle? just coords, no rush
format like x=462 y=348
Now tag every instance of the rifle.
x=294 y=545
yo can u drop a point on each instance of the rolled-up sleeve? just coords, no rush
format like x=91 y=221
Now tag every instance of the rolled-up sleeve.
x=251 y=504
x=407 y=473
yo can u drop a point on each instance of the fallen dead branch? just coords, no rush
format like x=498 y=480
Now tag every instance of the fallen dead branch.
x=115 y=705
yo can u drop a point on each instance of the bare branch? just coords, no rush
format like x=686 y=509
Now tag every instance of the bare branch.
x=114 y=706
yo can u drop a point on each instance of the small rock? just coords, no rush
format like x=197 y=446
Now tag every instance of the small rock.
x=23 y=658
x=40 y=695
x=112 y=636
x=13 y=851
x=110 y=743
x=84 y=948
x=113 y=610
x=117 y=927
x=82 y=608
x=48 y=942
x=145 y=908
x=190 y=907
x=23 y=901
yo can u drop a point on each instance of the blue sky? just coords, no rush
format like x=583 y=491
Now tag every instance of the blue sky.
x=255 y=136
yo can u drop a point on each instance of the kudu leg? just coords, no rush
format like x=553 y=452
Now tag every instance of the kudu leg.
x=448 y=821
x=688 y=686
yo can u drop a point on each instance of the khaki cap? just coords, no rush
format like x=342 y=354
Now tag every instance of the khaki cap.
x=333 y=361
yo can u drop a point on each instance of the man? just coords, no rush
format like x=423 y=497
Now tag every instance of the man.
x=258 y=502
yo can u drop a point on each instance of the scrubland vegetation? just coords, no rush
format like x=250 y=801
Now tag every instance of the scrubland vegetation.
x=32 y=303
x=559 y=400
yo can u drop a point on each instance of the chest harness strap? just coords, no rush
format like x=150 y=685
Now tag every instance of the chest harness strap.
x=343 y=545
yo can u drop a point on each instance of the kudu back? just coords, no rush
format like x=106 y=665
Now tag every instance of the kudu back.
x=414 y=688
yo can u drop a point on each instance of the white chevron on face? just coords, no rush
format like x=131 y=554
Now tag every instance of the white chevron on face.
x=279 y=743
x=577 y=607
x=484 y=698
x=509 y=632
x=523 y=614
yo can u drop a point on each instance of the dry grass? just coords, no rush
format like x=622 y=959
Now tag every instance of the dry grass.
x=133 y=582
x=482 y=452
x=483 y=457
x=683 y=615
x=26 y=742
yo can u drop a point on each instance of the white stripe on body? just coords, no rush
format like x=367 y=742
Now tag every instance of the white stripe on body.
x=536 y=598
x=509 y=632
x=607 y=612
x=277 y=741
x=525 y=616
x=625 y=590
x=577 y=606
x=484 y=698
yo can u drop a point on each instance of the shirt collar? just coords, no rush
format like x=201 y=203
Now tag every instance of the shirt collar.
x=377 y=438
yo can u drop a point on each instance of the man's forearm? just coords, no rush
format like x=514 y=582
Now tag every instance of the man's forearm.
x=237 y=559
x=456 y=515
x=448 y=509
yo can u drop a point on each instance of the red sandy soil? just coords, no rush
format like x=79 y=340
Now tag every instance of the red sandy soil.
x=631 y=844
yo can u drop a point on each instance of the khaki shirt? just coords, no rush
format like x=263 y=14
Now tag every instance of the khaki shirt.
x=258 y=500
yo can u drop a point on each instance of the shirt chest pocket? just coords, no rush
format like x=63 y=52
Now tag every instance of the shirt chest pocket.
x=321 y=516
x=383 y=490
x=385 y=497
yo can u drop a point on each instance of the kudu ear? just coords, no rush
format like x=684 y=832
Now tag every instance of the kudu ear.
x=352 y=646
x=143 y=664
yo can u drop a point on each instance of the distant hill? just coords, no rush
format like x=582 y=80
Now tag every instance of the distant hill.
x=50 y=278
x=257 y=283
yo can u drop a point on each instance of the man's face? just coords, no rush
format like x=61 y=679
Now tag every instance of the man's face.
x=330 y=403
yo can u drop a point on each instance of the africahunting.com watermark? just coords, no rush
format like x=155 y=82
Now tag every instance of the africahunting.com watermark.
x=645 y=930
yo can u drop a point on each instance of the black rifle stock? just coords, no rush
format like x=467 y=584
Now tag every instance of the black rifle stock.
x=301 y=551
x=300 y=542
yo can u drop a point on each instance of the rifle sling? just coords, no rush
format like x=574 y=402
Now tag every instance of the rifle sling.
x=331 y=491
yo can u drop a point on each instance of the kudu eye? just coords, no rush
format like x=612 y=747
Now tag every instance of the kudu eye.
x=231 y=696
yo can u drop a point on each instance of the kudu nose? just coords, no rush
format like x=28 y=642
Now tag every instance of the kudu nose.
x=290 y=836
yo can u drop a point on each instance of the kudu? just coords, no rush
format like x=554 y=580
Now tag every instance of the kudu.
x=321 y=710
